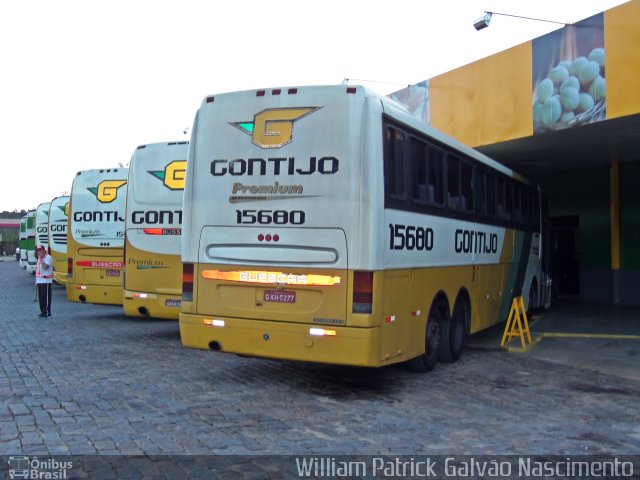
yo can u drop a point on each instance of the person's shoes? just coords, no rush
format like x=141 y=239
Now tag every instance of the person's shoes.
x=49 y=316
x=42 y=316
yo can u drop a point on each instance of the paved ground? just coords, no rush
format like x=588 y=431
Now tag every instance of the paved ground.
x=91 y=381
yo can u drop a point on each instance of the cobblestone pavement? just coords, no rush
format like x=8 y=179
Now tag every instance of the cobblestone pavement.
x=91 y=381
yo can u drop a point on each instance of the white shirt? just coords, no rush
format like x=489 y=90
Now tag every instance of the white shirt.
x=44 y=269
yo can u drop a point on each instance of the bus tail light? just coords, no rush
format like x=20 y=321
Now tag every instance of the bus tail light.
x=69 y=267
x=322 y=332
x=362 y=292
x=187 y=282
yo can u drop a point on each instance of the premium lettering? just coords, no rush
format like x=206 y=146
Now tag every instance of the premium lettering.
x=275 y=188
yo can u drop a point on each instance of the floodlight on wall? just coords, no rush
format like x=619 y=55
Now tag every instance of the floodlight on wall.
x=483 y=21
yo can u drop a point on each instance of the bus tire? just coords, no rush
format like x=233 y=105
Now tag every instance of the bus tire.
x=453 y=332
x=427 y=361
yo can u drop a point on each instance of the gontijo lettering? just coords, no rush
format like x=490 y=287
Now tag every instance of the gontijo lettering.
x=468 y=241
x=274 y=166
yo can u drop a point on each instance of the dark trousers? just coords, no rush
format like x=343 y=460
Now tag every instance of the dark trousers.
x=44 y=297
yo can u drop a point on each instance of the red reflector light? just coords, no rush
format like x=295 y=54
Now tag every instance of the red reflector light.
x=153 y=231
x=260 y=93
x=210 y=99
x=187 y=282
x=275 y=92
x=351 y=89
x=362 y=292
x=292 y=91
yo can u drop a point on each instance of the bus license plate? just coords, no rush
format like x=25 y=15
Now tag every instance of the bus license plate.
x=279 y=296
x=113 y=273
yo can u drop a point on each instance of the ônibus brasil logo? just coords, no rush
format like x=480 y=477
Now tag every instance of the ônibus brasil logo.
x=107 y=190
x=273 y=127
x=173 y=174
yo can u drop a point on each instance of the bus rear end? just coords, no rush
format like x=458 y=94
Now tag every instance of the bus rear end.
x=153 y=269
x=96 y=236
x=58 y=219
x=22 y=243
x=272 y=210
x=30 y=244
x=42 y=225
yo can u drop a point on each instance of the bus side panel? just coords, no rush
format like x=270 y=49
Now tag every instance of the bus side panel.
x=153 y=284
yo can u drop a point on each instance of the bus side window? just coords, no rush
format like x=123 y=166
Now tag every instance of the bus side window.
x=420 y=187
x=480 y=192
x=436 y=175
x=517 y=204
x=491 y=195
x=466 y=186
x=508 y=200
x=454 y=200
x=394 y=163
x=501 y=207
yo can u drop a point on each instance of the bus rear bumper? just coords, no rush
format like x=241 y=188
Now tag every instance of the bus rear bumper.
x=99 y=294
x=152 y=305
x=282 y=340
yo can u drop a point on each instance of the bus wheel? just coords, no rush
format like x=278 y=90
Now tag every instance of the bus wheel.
x=452 y=333
x=425 y=362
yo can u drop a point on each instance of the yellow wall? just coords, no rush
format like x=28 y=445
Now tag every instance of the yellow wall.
x=622 y=44
x=487 y=101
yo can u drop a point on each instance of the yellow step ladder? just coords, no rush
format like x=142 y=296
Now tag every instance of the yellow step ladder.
x=517 y=324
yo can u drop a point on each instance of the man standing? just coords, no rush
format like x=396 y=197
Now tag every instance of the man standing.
x=44 y=279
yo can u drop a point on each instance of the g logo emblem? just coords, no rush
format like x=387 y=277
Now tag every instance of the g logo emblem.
x=173 y=175
x=107 y=190
x=273 y=127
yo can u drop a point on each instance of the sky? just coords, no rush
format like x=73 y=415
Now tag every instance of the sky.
x=84 y=82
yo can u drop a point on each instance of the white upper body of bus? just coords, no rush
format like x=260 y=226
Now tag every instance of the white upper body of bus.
x=97 y=209
x=294 y=177
x=58 y=217
x=154 y=197
x=42 y=225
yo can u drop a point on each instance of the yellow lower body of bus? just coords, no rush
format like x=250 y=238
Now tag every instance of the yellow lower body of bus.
x=271 y=339
x=153 y=305
x=100 y=294
x=60 y=278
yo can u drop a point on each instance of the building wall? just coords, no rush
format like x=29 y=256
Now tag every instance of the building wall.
x=629 y=233
x=487 y=101
x=585 y=193
x=622 y=41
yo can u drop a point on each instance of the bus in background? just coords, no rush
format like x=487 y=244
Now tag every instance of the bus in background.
x=58 y=217
x=42 y=225
x=153 y=269
x=31 y=242
x=22 y=242
x=326 y=224
x=95 y=236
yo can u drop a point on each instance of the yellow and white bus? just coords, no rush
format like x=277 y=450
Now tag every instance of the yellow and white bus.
x=42 y=225
x=58 y=218
x=153 y=227
x=326 y=224
x=95 y=236
x=30 y=252
x=22 y=243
